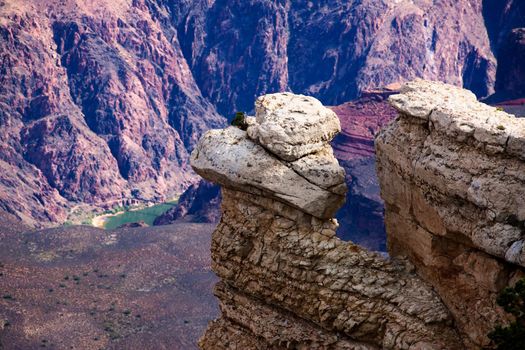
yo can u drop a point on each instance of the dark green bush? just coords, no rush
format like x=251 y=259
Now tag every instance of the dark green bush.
x=512 y=336
x=240 y=121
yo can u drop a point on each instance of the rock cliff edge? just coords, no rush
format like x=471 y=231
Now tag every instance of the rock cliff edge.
x=452 y=174
x=286 y=281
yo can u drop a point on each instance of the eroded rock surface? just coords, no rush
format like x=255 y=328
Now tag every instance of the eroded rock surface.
x=292 y=126
x=286 y=280
x=451 y=171
x=97 y=106
x=268 y=159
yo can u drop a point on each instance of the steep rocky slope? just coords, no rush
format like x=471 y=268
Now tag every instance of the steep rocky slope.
x=199 y=203
x=505 y=20
x=501 y=17
x=510 y=81
x=452 y=176
x=98 y=106
x=332 y=49
x=286 y=280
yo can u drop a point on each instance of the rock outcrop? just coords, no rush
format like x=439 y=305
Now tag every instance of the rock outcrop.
x=286 y=280
x=361 y=218
x=284 y=154
x=451 y=172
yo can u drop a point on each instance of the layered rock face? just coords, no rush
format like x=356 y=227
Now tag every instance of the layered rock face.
x=333 y=49
x=97 y=105
x=451 y=172
x=286 y=280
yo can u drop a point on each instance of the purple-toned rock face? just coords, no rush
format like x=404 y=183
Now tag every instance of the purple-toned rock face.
x=510 y=81
x=98 y=103
x=102 y=102
x=361 y=218
x=334 y=49
x=199 y=203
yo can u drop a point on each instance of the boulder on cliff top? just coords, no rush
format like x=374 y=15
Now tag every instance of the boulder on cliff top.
x=292 y=126
x=314 y=183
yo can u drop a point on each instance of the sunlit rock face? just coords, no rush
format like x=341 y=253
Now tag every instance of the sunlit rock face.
x=286 y=280
x=284 y=153
x=451 y=174
x=361 y=218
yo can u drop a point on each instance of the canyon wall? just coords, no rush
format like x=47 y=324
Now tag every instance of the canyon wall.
x=97 y=106
x=452 y=175
x=101 y=102
x=286 y=280
x=332 y=50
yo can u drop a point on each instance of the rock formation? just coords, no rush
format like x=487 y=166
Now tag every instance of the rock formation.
x=286 y=280
x=505 y=22
x=451 y=172
x=361 y=218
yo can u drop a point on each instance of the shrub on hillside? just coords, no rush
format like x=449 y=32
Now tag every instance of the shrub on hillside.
x=240 y=121
x=512 y=336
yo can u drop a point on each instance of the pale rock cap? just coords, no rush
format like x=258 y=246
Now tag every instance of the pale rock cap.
x=292 y=126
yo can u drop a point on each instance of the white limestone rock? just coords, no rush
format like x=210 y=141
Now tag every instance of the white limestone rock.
x=229 y=158
x=292 y=126
x=322 y=169
x=456 y=112
x=419 y=98
x=452 y=174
